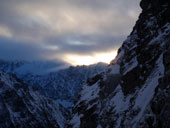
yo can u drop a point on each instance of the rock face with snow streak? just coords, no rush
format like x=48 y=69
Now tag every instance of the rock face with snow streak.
x=23 y=107
x=134 y=91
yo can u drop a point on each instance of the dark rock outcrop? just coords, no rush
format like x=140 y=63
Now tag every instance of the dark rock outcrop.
x=134 y=92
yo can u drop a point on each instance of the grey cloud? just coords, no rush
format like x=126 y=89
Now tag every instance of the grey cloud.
x=85 y=44
x=113 y=16
x=98 y=26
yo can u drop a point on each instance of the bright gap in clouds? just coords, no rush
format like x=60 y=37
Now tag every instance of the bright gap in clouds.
x=87 y=60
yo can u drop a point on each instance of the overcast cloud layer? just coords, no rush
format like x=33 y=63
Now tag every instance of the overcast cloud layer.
x=50 y=29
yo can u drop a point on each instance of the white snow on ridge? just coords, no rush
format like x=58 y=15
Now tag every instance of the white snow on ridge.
x=115 y=69
x=76 y=121
x=161 y=35
x=65 y=103
x=131 y=65
x=89 y=93
x=121 y=103
x=147 y=92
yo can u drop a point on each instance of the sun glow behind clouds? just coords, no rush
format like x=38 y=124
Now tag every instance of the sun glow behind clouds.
x=87 y=60
x=76 y=31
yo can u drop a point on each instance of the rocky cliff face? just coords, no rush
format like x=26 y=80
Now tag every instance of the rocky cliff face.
x=23 y=107
x=134 y=91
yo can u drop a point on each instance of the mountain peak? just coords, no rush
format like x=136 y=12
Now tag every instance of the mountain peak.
x=135 y=87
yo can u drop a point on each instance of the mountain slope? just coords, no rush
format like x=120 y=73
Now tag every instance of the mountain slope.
x=134 y=91
x=21 y=106
x=65 y=84
x=62 y=85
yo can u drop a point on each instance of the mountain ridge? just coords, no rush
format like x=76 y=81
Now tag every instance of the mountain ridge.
x=22 y=106
x=61 y=85
x=134 y=89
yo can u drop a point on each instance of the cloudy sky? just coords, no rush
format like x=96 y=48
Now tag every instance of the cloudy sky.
x=73 y=31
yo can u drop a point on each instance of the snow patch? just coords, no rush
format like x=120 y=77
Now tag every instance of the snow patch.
x=89 y=92
x=65 y=104
x=161 y=35
x=147 y=92
x=99 y=126
x=131 y=65
x=115 y=69
x=76 y=121
x=121 y=103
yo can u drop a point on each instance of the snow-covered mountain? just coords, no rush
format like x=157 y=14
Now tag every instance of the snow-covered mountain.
x=31 y=67
x=23 y=107
x=61 y=85
x=134 y=92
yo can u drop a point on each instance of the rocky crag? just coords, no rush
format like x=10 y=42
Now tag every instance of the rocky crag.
x=134 y=92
